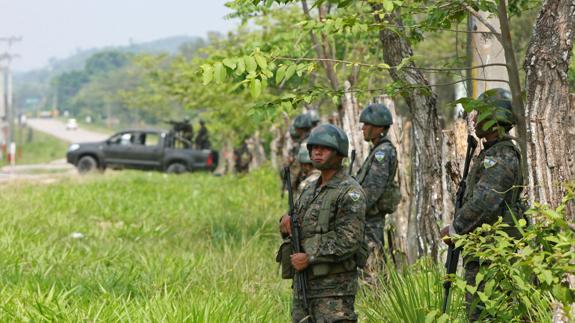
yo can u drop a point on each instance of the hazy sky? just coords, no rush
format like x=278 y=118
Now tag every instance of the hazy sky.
x=57 y=28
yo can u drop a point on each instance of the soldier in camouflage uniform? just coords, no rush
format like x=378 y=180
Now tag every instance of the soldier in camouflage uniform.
x=377 y=178
x=302 y=125
x=493 y=185
x=332 y=213
x=309 y=174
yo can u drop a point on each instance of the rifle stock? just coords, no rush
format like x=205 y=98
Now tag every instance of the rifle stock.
x=453 y=253
x=351 y=162
x=300 y=278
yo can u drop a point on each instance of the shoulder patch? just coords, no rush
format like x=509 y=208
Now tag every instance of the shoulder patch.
x=489 y=162
x=379 y=155
x=354 y=195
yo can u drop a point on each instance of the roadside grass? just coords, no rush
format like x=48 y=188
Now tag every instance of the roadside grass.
x=42 y=149
x=147 y=247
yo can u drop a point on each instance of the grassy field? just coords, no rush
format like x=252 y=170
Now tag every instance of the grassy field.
x=140 y=247
x=42 y=149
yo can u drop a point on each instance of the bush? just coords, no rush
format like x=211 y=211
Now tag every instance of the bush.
x=523 y=277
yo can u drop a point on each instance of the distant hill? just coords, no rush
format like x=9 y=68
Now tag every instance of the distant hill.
x=34 y=85
x=168 y=45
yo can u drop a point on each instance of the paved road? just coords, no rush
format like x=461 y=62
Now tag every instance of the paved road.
x=57 y=129
x=56 y=169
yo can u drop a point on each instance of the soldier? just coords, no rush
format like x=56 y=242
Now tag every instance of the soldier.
x=332 y=213
x=302 y=125
x=377 y=178
x=309 y=174
x=493 y=183
x=202 y=139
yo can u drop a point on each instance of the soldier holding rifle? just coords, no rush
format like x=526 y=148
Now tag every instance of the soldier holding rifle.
x=493 y=186
x=329 y=220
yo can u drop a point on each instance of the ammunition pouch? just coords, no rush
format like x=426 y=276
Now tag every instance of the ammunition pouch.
x=390 y=198
x=283 y=257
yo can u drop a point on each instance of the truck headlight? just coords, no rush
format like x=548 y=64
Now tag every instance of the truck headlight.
x=73 y=147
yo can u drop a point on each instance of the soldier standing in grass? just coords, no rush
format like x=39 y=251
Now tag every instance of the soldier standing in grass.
x=493 y=185
x=377 y=178
x=332 y=213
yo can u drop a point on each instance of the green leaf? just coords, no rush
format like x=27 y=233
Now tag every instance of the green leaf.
x=241 y=68
x=388 y=5
x=251 y=64
x=489 y=124
x=383 y=66
x=208 y=73
x=430 y=317
x=290 y=72
x=231 y=63
x=255 y=88
x=219 y=72
x=261 y=61
x=280 y=74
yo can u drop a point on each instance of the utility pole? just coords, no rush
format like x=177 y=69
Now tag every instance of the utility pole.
x=8 y=100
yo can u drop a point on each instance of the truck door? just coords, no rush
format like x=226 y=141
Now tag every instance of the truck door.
x=119 y=149
x=147 y=151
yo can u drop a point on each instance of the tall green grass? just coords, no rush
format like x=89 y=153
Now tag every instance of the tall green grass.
x=162 y=248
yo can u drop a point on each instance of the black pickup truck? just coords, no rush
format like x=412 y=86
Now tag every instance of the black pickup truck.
x=142 y=149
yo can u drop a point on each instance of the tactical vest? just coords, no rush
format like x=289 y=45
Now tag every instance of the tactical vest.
x=325 y=230
x=515 y=209
x=391 y=196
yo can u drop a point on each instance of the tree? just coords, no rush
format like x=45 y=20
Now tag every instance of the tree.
x=549 y=110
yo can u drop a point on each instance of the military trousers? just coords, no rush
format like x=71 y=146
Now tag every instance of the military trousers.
x=375 y=240
x=325 y=310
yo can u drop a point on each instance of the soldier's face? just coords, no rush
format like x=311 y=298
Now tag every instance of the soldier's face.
x=324 y=158
x=371 y=132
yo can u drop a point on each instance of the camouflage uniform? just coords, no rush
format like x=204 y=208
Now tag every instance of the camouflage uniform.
x=377 y=178
x=313 y=176
x=489 y=195
x=332 y=225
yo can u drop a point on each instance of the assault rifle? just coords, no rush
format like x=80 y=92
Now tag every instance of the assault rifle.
x=452 y=252
x=300 y=278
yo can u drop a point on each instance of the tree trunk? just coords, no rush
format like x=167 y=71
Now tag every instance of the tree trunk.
x=426 y=200
x=550 y=116
x=399 y=135
x=351 y=126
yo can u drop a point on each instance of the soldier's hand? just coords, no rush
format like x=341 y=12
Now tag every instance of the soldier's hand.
x=285 y=225
x=445 y=236
x=299 y=261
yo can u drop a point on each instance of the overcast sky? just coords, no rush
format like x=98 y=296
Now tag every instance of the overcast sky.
x=58 y=28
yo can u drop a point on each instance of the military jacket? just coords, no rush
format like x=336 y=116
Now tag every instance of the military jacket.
x=332 y=229
x=313 y=176
x=377 y=175
x=490 y=189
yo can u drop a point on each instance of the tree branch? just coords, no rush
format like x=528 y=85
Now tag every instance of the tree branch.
x=463 y=68
x=483 y=21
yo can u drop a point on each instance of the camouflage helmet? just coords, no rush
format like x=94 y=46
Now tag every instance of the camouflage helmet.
x=303 y=155
x=330 y=136
x=500 y=100
x=314 y=116
x=292 y=133
x=302 y=121
x=377 y=115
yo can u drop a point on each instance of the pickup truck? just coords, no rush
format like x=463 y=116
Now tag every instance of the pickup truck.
x=141 y=149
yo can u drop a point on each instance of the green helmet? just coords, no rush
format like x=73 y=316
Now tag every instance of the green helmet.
x=330 y=136
x=302 y=121
x=500 y=100
x=314 y=116
x=377 y=115
x=303 y=155
x=292 y=133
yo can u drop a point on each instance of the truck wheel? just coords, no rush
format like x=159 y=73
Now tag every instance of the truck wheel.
x=176 y=168
x=87 y=164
